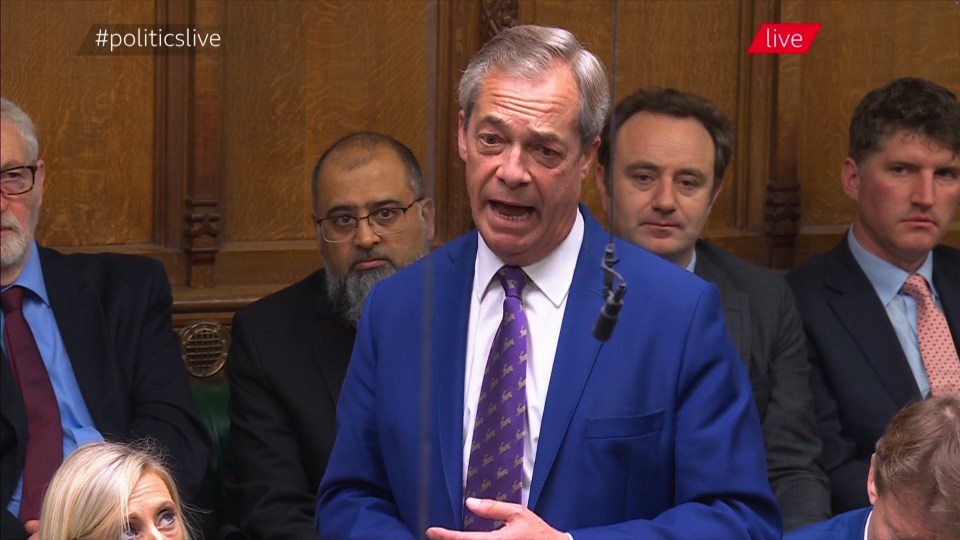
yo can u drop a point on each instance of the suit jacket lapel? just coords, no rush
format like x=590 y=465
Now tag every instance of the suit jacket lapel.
x=947 y=279
x=331 y=339
x=858 y=308
x=448 y=282
x=80 y=321
x=11 y=402
x=736 y=303
x=577 y=352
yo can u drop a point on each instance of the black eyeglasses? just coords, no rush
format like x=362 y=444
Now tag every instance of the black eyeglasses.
x=17 y=180
x=383 y=222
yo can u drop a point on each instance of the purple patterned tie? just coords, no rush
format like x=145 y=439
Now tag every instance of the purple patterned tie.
x=496 y=452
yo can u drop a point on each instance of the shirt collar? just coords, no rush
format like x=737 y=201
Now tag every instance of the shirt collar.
x=866 y=525
x=552 y=275
x=886 y=278
x=693 y=262
x=31 y=278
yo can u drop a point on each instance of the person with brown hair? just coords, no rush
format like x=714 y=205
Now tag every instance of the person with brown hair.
x=881 y=310
x=660 y=167
x=913 y=482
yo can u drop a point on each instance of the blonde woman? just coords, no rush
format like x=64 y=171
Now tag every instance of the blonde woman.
x=107 y=490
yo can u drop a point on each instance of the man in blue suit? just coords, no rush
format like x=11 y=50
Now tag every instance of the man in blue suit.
x=913 y=482
x=652 y=434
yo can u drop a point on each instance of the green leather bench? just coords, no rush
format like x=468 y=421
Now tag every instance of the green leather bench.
x=212 y=397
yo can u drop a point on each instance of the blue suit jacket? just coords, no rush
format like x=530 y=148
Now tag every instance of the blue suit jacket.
x=846 y=526
x=652 y=434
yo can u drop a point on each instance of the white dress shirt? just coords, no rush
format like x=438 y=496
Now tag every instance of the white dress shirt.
x=544 y=302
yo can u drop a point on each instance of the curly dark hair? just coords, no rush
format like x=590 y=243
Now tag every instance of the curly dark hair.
x=915 y=105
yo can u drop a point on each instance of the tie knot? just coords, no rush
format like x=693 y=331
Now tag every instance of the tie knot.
x=512 y=279
x=12 y=299
x=916 y=286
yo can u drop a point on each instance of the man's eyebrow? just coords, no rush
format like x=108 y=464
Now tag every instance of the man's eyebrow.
x=492 y=121
x=539 y=136
x=12 y=165
x=353 y=209
x=643 y=164
x=693 y=171
x=545 y=136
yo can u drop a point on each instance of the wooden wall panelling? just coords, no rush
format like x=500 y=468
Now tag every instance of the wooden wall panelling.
x=322 y=70
x=172 y=141
x=862 y=45
x=783 y=197
x=756 y=104
x=202 y=202
x=459 y=38
x=94 y=115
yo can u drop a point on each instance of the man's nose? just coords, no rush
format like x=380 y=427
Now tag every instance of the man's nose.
x=365 y=236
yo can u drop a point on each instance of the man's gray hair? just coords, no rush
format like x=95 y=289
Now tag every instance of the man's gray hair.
x=531 y=52
x=10 y=112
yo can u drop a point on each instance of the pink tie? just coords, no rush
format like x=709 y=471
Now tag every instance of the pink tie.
x=936 y=344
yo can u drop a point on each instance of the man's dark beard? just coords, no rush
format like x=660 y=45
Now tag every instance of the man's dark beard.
x=347 y=292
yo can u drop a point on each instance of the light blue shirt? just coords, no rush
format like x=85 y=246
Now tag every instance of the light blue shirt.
x=887 y=281
x=77 y=425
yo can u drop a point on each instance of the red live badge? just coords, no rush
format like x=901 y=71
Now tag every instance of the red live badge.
x=784 y=38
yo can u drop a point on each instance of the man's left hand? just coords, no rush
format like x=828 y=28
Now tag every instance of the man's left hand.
x=520 y=523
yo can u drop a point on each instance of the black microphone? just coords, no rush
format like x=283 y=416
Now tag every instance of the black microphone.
x=610 y=313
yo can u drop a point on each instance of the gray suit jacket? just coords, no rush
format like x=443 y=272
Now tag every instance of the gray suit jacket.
x=763 y=321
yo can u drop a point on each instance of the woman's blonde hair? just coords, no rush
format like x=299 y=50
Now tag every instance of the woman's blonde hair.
x=89 y=494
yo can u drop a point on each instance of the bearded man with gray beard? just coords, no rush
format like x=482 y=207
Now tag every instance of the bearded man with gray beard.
x=290 y=350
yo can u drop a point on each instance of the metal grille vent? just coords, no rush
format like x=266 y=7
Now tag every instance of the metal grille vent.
x=204 y=347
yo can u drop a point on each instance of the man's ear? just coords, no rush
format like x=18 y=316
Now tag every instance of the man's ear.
x=871 y=485
x=850 y=178
x=589 y=153
x=38 y=178
x=314 y=217
x=426 y=210
x=716 y=194
x=600 y=178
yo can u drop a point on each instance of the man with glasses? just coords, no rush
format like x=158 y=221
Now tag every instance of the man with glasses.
x=290 y=350
x=88 y=350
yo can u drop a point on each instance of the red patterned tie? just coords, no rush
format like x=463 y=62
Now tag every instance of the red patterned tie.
x=495 y=470
x=936 y=344
x=44 y=434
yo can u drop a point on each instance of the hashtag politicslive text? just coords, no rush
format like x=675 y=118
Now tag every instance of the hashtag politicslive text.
x=105 y=39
